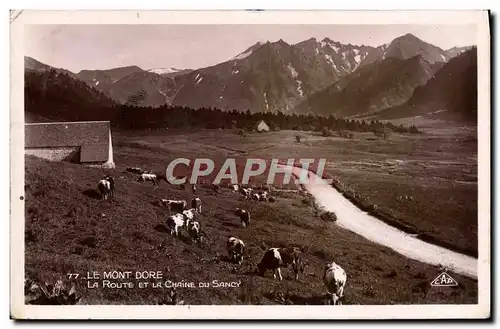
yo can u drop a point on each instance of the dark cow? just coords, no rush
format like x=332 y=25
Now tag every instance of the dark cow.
x=196 y=204
x=111 y=181
x=276 y=258
x=244 y=216
x=235 y=250
x=175 y=206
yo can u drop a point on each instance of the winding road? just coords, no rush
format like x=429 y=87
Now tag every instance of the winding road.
x=350 y=217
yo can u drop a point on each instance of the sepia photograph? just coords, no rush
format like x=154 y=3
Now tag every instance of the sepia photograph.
x=164 y=161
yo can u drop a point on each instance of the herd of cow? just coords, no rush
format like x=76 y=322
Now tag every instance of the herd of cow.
x=180 y=217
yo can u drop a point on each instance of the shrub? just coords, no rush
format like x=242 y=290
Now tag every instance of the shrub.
x=328 y=216
x=45 y=294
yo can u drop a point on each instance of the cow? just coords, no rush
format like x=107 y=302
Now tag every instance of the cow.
x=196 y=204
x=193 y=188
x=272 y=199
x=263 y=196
x=276 y=258
x=104 y=187
x=246 y=192
x=189 y=215
x=235 y=250
x=256 y=196
x=174 y=223
x=111 y=181
x=235 y=187
x=194 y=230
x=175 y=206
x=244 y=216
x=148 y=177
x=335 y=279
x=135 y=170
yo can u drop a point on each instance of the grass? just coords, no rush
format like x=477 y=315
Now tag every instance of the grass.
x=436 y=171
x=69 y=230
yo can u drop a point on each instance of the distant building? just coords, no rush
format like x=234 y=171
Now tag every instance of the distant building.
x=85 y=142
x=262 y=126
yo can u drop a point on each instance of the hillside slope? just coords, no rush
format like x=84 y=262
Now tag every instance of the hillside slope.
x=69 y=230
x=374 y=87
x=58 y=96
x=451 y=94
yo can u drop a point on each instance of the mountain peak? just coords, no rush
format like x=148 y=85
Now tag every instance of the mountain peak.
x=408 y=37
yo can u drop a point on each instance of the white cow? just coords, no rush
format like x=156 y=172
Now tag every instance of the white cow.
x=104 y=187
x=174 y=223
x=235 y=250
x=235 y=187
x=148 y=177
x=334 y=279
x=256 y=196
x=194 y=230
x=189 y=215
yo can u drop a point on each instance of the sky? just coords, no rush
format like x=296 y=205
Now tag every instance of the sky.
x=77 y=47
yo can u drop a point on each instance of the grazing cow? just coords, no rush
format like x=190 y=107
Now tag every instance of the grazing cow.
x=244 y=216
x=256 y=197
x=174 y=223
x=111 y=181
x=334 y=279
x=194 y=230
x=176 y=206
x=196 y=204
x=235 y=187
x=189 y=215
x=148 y=177
x=104 y=187
x=263 y=196
x=135 y=170
x=235 y=250
x=272 y=199
x=276 y=258
x=246 y=192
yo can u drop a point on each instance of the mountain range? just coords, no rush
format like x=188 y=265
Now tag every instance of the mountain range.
x=313 y=76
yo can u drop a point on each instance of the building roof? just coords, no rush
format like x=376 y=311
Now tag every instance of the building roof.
x=262 y=124
x=91 y=136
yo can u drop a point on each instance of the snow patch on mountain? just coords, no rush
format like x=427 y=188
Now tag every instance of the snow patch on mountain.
x=265 y=99
x=244 y=54
x=292 y=70
x=164 y=70
x=444 y=58
x=329 y=59
x=295 y=74
x=299 y=88
x=357 y=58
